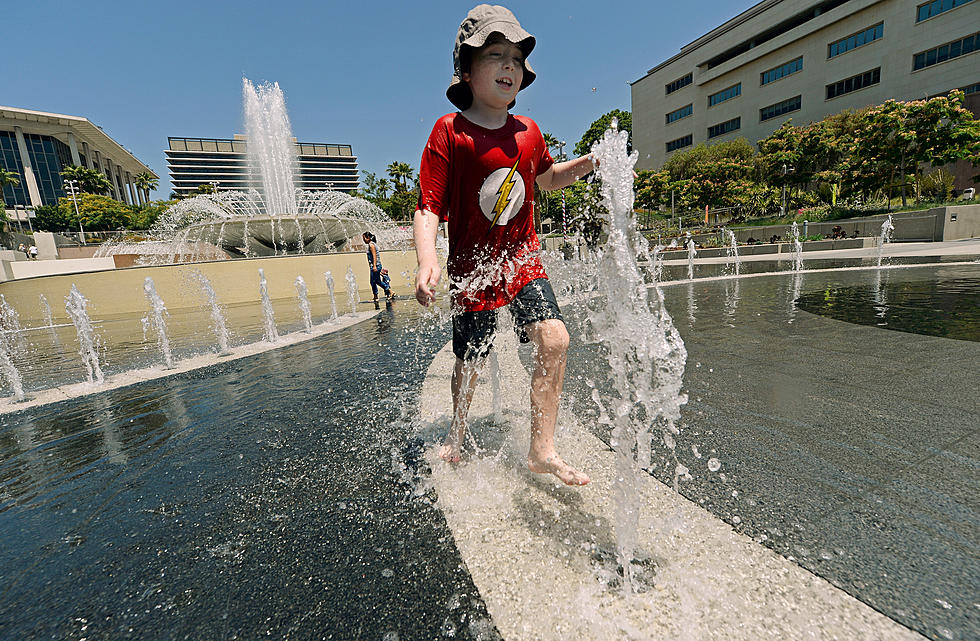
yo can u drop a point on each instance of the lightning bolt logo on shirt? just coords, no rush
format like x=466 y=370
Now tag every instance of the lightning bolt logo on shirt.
x=502 y=194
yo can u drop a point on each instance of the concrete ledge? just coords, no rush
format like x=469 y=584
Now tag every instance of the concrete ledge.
x=35 y=268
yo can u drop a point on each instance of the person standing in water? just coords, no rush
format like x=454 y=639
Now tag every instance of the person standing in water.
x=379 y=275
x=478 y=172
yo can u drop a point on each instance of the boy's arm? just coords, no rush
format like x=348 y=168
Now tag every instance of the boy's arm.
x=425 y=227
x=563 y=174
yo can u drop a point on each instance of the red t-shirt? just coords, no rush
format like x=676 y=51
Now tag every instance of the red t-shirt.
x=482 y=181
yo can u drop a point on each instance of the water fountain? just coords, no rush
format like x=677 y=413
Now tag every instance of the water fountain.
x=330 y=290
x=217 y=317
x=76 y=305
x=11 y=345
x=887 y=228
x=733 y=250
x=302 y=294
x=275 y=218
x=797 y=249
x=155 y=319
x=692 y=253
x=268 y=317
x=351 y=290
x=645 y=368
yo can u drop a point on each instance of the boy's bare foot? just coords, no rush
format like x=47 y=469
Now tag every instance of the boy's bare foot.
x=555 y=465
x=449 y=452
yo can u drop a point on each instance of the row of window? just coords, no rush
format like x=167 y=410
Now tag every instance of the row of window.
x=934 y=8
x=780 y=108
x=945 y=52
x=724 y=127
x=683 y=81
x=680 y=143
x=677 y=114
x=725 y=94
x=859 y=81
x=856 y=40
x=781 y=71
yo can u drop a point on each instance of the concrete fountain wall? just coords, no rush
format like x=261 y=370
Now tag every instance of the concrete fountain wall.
x=120 y=291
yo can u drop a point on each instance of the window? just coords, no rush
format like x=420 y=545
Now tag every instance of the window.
x=971 y=89
x=780 y=108
x=724 y=127
x=782 y=71
x=854 y=83
x=725 y=94
x=856 y=40
x=934 y=8
x=680 y=82
x=683 y=141
x=677 y=114
x=946 y=52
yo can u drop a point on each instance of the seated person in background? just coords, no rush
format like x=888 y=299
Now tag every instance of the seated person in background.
x=855 y=234
x=751 y=241
x=774 y=239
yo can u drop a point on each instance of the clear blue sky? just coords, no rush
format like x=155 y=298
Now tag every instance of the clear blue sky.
x=370 y=74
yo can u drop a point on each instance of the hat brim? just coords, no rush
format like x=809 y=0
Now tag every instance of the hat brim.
x=459 y=92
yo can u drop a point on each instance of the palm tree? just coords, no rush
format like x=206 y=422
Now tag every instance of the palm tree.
x=401 y=173
x=90 y=181
x=145 y=182
x=11 y=178
x=382 y=187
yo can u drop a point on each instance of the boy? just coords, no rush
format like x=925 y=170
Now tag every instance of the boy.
x=478 y=172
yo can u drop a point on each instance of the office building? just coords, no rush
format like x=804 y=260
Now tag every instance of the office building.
x=36 y=145
x=805 y=60
x=193 y=162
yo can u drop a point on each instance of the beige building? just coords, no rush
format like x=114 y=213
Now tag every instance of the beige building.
x=36 y=145
x=803 y=59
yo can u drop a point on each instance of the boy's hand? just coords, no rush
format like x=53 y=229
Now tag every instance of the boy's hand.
x=425 y=283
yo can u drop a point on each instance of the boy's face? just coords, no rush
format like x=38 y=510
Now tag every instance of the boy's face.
x=496 y=73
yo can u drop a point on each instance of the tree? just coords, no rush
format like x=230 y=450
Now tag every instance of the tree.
x=598 y=128
x=89 y=181
x=145 y=181
x=11 y=178
x=146 y=216
x=98 y=213
x=54 y=218
x=401 y=173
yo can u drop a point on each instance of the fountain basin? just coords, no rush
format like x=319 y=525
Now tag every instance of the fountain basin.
x=273 y=235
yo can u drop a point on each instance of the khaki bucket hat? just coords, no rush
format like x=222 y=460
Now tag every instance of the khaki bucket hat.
x=479 y=24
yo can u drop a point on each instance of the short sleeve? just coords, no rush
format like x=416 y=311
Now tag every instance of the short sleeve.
x=434 y=172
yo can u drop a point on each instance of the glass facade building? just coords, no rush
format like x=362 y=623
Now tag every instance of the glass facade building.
x=47 y=154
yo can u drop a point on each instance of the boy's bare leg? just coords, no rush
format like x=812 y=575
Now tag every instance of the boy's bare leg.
x=551 y=339
x=464 y=382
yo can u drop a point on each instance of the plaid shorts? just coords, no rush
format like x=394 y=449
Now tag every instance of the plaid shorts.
x=473 y=331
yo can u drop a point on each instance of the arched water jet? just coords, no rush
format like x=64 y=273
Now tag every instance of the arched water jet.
x=155 y=319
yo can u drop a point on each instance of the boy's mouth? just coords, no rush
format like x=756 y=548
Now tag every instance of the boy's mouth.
x=505 y=82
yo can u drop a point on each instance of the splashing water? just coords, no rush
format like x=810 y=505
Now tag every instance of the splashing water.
x=797 y=249
x=645 y=368
x=733 y=250
x=333 y=300
x=156 y=318
x=75 y=305
x=270 y=147
x=11 y=343
x=46 y=311
x=268 y=317
x=887 y=228
x=692 y=252
x=351 y=290
x=217 y=316
x=302 y=295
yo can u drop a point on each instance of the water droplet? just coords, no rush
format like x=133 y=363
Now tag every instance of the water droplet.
x=714 y=464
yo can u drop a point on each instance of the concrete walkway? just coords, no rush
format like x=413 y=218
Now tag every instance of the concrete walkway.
x=542 y=555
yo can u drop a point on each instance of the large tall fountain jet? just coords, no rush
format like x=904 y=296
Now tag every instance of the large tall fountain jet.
x=271 y=150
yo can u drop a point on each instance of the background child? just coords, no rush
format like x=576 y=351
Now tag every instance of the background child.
x=478 y=173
